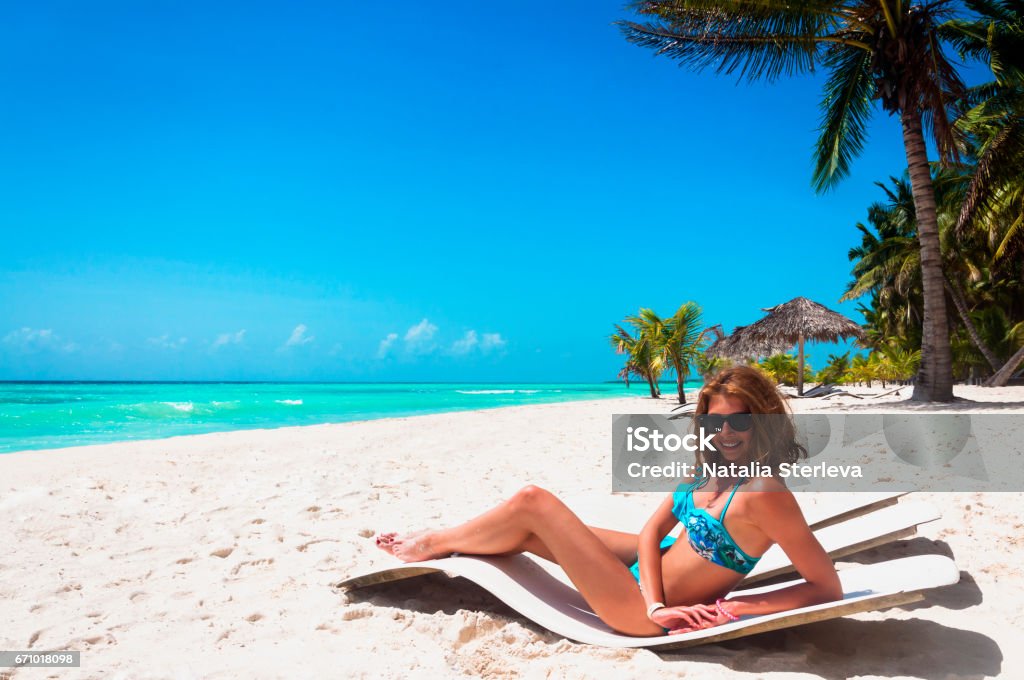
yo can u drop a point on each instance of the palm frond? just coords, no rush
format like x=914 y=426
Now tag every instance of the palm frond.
x=846 y=108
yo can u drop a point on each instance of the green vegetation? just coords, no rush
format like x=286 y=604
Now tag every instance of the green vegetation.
x=782 y=368
x=656 y=345
x=946 y=237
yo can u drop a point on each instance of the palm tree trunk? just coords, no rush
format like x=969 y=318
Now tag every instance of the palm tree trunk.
x=1002 y=376
x=957 y=296
x=654 y=389
x=677 y=365
x=935 y=375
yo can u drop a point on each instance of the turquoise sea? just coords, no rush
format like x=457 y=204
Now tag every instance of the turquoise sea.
x=45 y=415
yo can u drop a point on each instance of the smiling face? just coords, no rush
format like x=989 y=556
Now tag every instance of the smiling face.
x=733 y=445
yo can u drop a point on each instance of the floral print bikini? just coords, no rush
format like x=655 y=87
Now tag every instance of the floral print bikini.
x=707 y=536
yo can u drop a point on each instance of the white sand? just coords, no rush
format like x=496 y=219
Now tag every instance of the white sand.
x=213 y=556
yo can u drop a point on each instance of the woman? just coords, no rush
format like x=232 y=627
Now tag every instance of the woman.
x=673 y=587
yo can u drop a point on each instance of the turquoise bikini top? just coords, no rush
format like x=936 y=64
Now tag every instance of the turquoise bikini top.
x=708 y=536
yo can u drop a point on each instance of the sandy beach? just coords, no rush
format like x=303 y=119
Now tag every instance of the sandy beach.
x=213 y=556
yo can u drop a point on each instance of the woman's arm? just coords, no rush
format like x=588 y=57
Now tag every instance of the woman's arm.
x=649 y=551
x=779 y=516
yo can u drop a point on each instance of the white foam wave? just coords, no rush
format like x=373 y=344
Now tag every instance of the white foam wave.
x=292 y=402
x=184 y=406
x=486 y=391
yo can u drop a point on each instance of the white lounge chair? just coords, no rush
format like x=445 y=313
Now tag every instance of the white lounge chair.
x=540 y=590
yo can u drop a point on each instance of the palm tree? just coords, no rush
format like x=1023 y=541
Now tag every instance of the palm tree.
x=994 y=124
x=682 y=342
x=898 y=363
x=863 y=369
x=674 y=342
x=708 y=365
x=838 y=365
x=888 y=50
x=642 y=358
x=780 y=368
x=888 y=265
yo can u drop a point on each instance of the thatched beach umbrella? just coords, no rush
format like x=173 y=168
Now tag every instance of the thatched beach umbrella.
x=787 y=324
x=742 y=346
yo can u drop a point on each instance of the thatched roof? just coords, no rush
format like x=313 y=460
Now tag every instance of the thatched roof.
x=782 y=327
x=739 y=345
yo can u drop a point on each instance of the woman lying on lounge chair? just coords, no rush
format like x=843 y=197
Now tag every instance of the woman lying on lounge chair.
x=673 y=587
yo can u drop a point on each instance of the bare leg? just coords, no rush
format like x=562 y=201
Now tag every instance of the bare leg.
x=622 y=543
x=533 y=519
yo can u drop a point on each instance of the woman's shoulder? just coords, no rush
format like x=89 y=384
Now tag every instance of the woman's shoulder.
x=766 y=491
x=767 y=484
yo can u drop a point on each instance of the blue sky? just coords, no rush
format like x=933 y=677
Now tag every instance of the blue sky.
x=466 y=191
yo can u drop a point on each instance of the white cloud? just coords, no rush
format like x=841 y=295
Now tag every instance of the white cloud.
x=492 y=342
x=466 y=344
x=31 y=340
x=165 y=341
x=299 y=337
x=484 y=343
x=419 y=339
x=386 y=344
x=229 y=339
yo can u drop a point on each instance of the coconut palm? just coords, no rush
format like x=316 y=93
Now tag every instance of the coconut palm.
x=897 y=362
x=642 y=360
x=781 y=368
x=708 y=365
x=863 y=369
x=675 y=341
x=835 y=369
x=682 y=342
x=994 y=124
x=888 y=264
x=889 y=50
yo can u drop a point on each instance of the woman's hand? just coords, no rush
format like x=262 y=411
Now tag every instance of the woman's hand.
x=688 y=619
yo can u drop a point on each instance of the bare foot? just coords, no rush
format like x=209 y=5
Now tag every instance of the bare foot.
x=413 y=547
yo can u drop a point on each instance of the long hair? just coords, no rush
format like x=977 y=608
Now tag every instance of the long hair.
x=774 y=438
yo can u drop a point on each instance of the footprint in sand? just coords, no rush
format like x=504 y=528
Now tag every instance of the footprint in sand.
x=305 y=546
x=222 y=553
x=251 y=563
x=467 y=631
x=353 y=613
x=328 y=628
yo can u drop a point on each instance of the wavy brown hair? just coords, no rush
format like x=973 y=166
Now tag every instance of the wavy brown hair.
x=774 y=436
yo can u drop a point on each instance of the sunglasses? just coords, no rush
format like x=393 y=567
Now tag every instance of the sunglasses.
x=741 y=422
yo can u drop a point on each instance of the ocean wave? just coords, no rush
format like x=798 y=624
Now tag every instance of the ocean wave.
x=291 y=402
x=183 y=406
x=486 y=391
